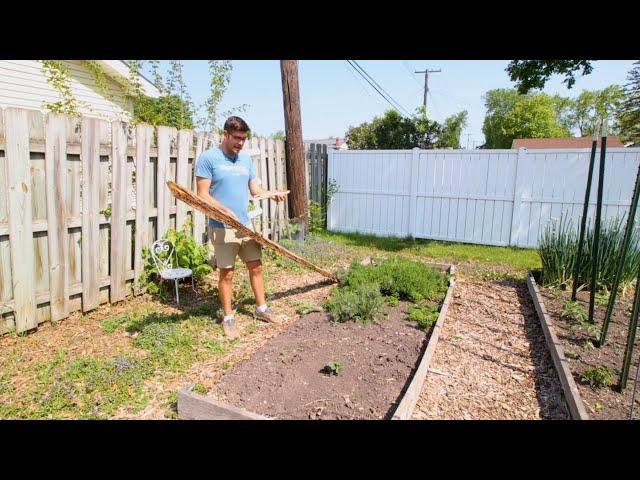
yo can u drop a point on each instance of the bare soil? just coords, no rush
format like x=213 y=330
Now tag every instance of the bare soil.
x=604 y=402
x=284 y=379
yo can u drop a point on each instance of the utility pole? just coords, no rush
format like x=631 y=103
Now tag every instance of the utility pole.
x=426 y=84
x=293 y=146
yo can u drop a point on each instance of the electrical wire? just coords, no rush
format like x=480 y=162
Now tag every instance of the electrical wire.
x=387 y=97
x=380 y=87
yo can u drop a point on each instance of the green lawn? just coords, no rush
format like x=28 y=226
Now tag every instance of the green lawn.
x=518 y=259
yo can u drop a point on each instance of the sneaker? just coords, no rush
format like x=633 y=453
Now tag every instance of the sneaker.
x=230 y=329
x=267 y=316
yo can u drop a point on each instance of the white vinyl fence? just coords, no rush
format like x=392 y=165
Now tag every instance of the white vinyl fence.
x=492 y=197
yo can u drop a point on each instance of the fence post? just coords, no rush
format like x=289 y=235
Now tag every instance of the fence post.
x=413 y=194
x=517 y=199
x=329 y=171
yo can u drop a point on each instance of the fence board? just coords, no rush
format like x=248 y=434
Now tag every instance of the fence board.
x=162 y=203
x=199 y=226
x=264 y=181
x=56 y=172
x=144 y=137
x=271 y=179
x=281 y=183
x=185 y=137
x=118 y=212
x=90 y=207
x=20 y=218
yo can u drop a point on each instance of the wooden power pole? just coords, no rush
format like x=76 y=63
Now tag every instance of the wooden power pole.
x=294 y=150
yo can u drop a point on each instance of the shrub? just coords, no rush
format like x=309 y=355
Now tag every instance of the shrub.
x=360 y=303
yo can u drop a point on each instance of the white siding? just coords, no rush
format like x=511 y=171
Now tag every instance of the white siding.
x=23 y=84
x=491 y=197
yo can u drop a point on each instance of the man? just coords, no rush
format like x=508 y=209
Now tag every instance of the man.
x=225 y=176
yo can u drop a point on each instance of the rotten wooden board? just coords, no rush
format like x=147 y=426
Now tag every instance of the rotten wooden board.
x=571 y=393
x=192 y=406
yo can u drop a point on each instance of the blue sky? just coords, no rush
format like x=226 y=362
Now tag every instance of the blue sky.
x=334 y=96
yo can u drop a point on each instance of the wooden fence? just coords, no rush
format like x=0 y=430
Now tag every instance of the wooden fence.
x=316 y=171
x=61 y=249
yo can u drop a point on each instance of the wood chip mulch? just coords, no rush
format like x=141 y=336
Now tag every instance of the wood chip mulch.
x=491 y=361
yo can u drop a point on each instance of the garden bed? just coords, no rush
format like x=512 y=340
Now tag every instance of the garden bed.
x=574 y=347
x=377 y=368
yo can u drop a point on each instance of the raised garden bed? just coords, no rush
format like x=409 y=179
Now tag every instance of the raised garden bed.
x=576 y=358
x=378 y=371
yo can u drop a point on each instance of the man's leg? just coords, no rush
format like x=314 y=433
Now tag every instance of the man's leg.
x=225 y=289
x=257 y=281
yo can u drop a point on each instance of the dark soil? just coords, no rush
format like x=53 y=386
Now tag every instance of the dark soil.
x=604 y=402
x=285 y=378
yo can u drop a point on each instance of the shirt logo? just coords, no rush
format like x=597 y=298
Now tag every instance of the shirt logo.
x=234 y=169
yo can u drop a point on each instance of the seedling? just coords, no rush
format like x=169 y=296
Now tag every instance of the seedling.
x=332 y=368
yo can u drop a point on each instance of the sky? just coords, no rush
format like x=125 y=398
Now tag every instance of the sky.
x=334 y=97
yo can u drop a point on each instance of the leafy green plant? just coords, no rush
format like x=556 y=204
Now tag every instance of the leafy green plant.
x=199 y=388
x=187 y=253
x=599 y=377
x=307 y=307
x=332 y=368
x=574 y=311
x=360 y=303
x=426 y=316
x=110 y=325
x=558 y=248
x=106 y=211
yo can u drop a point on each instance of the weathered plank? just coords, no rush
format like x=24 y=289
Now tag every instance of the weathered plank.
x=281 y=184
x=271 y=181
x=410 y=398
x=56 y=172
x=192 y=406
x=185 y=137
x=263 y=175
x=163 y=198
x=118 y=211
x=571 y=392
x=144 y=137
x=20 y=218
x=90 y=208
x=199 y=226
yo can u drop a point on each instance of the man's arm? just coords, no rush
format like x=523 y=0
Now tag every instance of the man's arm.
x=203 y=184
x=256 y=189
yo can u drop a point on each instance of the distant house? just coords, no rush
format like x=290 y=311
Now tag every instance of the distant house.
x=336 y=143
x=23 y=84
x=563 y=142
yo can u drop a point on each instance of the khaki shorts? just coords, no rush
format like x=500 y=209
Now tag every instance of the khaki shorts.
x=227 y=244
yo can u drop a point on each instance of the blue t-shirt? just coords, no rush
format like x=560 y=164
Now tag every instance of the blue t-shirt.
x=229 y=181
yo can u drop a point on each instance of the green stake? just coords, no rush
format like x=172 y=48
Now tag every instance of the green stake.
x=583 y=223
x=596 y=234
x=621 y=259
x=631 y=338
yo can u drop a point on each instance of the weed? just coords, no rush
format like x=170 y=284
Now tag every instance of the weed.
x=332 y=368
x=307 y=307
x=199 y=388
x=110 y=325
x=588 y=345
x=573 y=311
x=600 y=376
x=426 y=316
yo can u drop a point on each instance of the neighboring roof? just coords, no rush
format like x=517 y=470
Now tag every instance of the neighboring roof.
x=119 y=71
x=563 y=142
x=335 y=142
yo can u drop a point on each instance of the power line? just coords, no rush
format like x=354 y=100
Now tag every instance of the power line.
x=364 y=89
x=411 y=74
x=377 y=88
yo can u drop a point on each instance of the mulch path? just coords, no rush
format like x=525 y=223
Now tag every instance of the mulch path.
x=491 y=361
x=604 y=402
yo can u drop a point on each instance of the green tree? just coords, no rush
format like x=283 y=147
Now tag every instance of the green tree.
x=392 y=131
x=629 y=116
x=534 y=74
x=452 y=129
x=593 y=106
x=511 y=115
x=169 y=110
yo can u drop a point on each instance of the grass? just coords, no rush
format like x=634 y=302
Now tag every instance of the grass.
x=519 y=259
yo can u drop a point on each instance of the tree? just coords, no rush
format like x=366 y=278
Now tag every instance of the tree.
x=452 y=130
x=392 y=131
x=591 y=107
x=169 y=110
x=629 y=116
x=511 y=115
x=534 y=74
